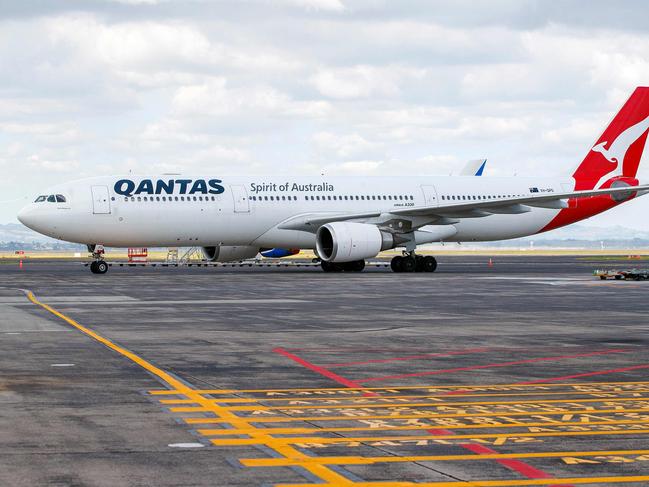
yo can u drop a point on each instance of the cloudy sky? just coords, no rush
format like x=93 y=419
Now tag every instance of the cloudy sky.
x=367 y=87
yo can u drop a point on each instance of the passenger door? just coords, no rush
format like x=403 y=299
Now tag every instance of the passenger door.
x=240 y=197
x=430 y=195
x=100 y=200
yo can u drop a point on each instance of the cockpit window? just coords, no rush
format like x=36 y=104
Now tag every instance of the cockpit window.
x=40 y=199
x=60 y=198
x=51 y=199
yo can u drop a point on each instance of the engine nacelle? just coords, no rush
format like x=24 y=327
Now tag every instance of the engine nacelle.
x=229 y=253
x=349 y=241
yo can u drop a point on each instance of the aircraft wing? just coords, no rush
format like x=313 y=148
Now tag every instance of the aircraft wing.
x=450 y=213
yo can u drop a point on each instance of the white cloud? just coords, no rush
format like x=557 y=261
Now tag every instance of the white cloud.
x=326 y=5
x=215 y=98
x=300 y=86
x=363 y=81
x=342 y=146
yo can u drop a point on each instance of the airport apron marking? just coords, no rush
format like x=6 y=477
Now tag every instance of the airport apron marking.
x=246 y=417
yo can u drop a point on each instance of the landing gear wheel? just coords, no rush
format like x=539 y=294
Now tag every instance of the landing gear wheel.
x=419 y=263
x=409 y=264
x=397 y=264
x=331 y=266
x=429 y=264
x=355 y=266
x=98 y=267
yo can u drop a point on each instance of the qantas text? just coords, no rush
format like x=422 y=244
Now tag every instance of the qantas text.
x=127 y=187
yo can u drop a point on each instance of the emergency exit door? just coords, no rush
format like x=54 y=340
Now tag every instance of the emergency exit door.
x=100 y=200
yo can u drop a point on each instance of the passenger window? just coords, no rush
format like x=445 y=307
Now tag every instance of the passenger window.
x=329 y=198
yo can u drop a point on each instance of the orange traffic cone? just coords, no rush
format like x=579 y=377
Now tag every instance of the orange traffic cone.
x=490 y=263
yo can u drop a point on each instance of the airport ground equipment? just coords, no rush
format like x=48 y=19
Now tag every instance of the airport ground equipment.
x=633 y=274
x=140 y=254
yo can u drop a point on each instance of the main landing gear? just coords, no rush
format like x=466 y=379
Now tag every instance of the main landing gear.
x=354 y=266
x=410 y=262
x=99 y=265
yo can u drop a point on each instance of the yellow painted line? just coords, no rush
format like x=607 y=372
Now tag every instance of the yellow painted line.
x=292 y=419
x=497 y=483
x=174 y=383
x=372 y=439
x=288 y=431
x=360 y=390
x=357 y=460
x=436 y=404
x=369 y=400
x=321 y=471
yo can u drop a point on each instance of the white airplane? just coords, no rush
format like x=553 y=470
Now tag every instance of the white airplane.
x=345 y=220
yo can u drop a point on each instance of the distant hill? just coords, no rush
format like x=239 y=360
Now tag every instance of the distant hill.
x=14 y=236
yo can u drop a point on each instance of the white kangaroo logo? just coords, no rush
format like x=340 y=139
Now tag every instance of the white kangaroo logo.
x=618 y=148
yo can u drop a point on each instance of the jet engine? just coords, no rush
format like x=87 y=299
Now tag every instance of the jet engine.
x=349 y=241
x=229 y=253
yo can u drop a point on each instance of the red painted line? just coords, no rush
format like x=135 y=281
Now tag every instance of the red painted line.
x=488 y=366
x=320 y=370
x=411 y=357
x=518 y=466
x=515 y=465
x=587 y=374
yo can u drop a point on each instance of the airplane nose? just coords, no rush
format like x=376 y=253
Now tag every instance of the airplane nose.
x=26 y=217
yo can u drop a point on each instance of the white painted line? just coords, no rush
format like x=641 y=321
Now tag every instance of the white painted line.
x=186 y=445
x=70 y=299
x=62 y=365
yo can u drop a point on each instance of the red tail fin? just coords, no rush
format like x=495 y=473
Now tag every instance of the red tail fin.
x=613 y=161
x=619 y=149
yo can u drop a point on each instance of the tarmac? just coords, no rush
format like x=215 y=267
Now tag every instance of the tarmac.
x=527 y=372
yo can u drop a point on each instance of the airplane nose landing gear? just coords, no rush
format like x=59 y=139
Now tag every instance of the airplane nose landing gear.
x=99 y=265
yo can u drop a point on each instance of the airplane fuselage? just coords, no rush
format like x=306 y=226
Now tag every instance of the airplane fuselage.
x=164 y=210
